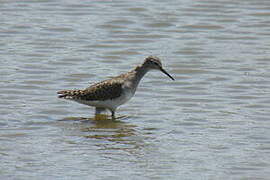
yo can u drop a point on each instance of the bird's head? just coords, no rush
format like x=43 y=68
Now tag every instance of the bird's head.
x=154 y=63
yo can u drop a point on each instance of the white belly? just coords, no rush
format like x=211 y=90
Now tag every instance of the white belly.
x=111 y=103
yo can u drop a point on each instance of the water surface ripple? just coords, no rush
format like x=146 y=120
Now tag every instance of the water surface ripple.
x=211 y=123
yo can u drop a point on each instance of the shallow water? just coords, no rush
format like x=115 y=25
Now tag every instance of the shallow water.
x=211 y=123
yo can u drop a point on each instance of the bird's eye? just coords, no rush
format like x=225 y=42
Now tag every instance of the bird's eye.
x=155 y=63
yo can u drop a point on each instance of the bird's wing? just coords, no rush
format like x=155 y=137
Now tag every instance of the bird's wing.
x=105 y=90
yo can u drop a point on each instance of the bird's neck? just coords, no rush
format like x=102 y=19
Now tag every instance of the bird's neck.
x=140 y=71
x=137 y=75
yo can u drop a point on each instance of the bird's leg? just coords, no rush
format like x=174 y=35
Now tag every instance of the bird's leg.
x=99 y=110
x=113 y=114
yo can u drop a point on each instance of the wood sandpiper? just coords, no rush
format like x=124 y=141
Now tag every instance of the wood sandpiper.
x=111 y=93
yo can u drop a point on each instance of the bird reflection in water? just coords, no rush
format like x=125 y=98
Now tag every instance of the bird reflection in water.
x=113 y=134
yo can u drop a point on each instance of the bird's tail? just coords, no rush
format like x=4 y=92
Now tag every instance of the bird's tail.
x=69 y=94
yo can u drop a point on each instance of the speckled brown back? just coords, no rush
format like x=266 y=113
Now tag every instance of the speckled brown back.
x=105 y=90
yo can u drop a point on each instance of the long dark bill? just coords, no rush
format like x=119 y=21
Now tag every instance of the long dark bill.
x=165 y=72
